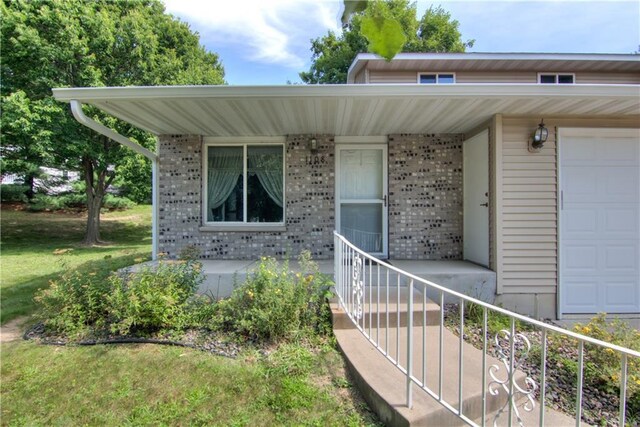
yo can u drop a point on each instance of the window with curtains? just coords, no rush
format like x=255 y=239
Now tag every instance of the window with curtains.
x=245 y=184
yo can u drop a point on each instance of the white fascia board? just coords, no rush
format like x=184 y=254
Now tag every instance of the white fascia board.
x=515 y=56
x=459 y=90
x=358 y=63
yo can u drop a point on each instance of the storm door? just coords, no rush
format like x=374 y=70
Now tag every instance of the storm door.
x=361 y=196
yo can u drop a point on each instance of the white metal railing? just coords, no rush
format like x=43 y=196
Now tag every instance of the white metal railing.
x=365 y=284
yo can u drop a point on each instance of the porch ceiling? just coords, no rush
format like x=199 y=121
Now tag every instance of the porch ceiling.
x=346 y=110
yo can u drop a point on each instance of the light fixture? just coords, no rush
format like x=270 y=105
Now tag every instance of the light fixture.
x=314 y=145
x=539 y=138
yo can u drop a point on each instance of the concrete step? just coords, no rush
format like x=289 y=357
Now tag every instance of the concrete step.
x=388 y=309
x=384 y=385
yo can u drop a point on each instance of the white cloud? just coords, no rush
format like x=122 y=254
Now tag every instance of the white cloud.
x=265 y=31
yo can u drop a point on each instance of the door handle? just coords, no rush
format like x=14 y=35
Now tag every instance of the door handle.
x=486 y=205
x=384 y=200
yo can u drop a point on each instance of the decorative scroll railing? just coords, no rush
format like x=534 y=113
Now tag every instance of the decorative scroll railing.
x=364 y=285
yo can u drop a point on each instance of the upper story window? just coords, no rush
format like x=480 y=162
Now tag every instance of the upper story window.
x=555 y=78
x=244 y=183
x=436 y=78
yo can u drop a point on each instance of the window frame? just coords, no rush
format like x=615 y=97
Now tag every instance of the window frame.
x=437 y=74
x=244 y=143
x=557 y=78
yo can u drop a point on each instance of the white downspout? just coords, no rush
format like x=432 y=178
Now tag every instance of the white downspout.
x=76 y=109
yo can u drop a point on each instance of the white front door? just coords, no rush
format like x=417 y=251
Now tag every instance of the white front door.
x=361 y=196
x=475 y=170
x=599 y=220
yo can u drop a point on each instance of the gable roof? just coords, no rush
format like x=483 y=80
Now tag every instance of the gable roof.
x=557 y=62
x=346 y=110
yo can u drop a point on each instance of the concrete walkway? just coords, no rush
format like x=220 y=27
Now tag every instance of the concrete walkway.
x=384 y=386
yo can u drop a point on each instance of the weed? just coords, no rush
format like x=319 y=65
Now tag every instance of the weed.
x=274 y=303
x=153 y=299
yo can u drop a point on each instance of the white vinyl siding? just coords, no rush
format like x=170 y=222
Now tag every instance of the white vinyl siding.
x=529 y=224
x=392 y=76
x=608 y=78
x=401 y=76
x=526 y=217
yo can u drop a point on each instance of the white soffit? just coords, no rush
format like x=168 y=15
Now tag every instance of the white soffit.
x=346 y=110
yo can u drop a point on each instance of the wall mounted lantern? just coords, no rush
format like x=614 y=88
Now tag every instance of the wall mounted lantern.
x=313 y=143
x=536 y=142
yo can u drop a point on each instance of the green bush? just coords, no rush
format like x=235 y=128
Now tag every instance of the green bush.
x=112 y=202
x=43 y=202
x=154 y=299
x=602 y=366
x=74 y=303
x=274 y=303
x=13 y=192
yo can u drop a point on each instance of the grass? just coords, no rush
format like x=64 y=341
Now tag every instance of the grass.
x=154 y=385
x=144 y=384
x=37 y=247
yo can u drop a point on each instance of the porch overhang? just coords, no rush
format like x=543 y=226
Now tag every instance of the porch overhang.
x=346 y=110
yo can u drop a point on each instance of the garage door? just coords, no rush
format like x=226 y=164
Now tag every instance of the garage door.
x=599 y=220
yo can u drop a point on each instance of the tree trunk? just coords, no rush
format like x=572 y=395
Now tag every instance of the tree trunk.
x=92 y=234
x=97 y=182
x=97 y=179
x=94 y=203
x=29 y=181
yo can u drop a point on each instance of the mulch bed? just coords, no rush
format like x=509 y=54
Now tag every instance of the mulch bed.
x=203 y=340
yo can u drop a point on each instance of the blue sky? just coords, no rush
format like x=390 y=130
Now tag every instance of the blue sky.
x=267 y=41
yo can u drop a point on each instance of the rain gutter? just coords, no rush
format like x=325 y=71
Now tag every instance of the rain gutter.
x=76 y=109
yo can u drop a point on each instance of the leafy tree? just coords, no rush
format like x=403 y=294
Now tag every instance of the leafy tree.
x=59 y=43
x=26 y=126
x=373 y=30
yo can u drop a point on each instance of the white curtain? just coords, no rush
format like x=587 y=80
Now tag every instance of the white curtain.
x=266 y=163
x=225 y=166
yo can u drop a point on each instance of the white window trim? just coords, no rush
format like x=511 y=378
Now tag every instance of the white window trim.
x=437 y=74
x=553 y=73
x=241 y=225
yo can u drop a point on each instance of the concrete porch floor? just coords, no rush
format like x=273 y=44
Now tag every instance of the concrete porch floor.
x=462 y=276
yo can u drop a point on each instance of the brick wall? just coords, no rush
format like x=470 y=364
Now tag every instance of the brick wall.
x=309 y=188
x=425 y=196
x=425 y=201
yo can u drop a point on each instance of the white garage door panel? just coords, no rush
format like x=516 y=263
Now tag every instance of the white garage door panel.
x=581 y=259
x=585 y=293
x=621 y=259
x=599 y=220
x=621 y=296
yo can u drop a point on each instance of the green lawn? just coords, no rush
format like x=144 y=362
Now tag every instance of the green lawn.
x=146 y=384
x=36 y=247
x=154 y=385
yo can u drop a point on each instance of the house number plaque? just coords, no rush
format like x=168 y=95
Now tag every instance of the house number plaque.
x=316 y=160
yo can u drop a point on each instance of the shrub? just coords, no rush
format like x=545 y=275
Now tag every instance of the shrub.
x=601 y=365
x=73 y=303
x=13 y=192
x=154 y=298
x=151 y=300
x=43 y=202
x=274 y=303
x=113 y=202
